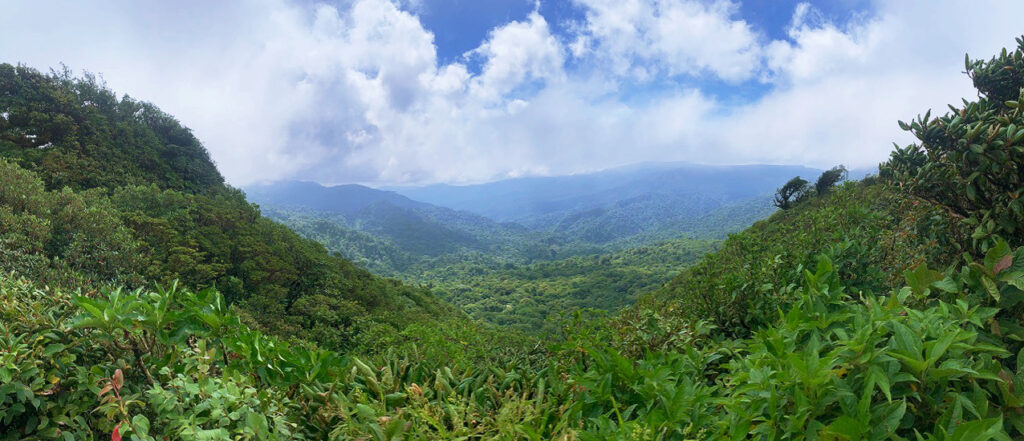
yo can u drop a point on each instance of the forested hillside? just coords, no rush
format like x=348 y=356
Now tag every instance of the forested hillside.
x=75 y=133
x=388 y=233
x=504 y=274
x=532 y=298
x=142 y=203
x=509 y=274
x=626 y=206
x=885 y=309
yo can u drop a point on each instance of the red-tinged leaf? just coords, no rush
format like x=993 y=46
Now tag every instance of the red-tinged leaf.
x=106 y=389
x=118 y=379
x=116 y=435
x=1004 y=263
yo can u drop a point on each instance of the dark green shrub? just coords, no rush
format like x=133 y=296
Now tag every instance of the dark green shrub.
x=968 y=160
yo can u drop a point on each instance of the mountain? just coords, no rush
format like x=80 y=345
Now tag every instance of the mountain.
x=347 y=200
x=651 y=217
x=97 y=190
x=389 y=232
x=632 y=205
x=522 y=276
x=398 y=236
x=705 y=187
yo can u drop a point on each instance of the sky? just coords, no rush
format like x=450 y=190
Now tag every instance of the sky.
x=408 y=92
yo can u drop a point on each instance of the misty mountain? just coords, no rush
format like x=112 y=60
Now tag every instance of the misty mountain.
x=345 y=200
x=528 y=219
x=523 y=199
x=660 y=200
x=370 y=225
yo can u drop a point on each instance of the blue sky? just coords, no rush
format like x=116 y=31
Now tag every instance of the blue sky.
x=387 y=92
x=459 y=26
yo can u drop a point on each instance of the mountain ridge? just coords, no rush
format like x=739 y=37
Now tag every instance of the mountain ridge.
x=636 y=205
x=514 y=199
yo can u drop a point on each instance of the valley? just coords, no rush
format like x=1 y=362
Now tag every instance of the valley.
x=590 y=241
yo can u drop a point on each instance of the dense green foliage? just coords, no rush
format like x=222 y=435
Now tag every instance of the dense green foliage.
x=75 y=133
x=531 y=297
x=176 y=364
x=869 y=312
x=503 y=288
x=156 y=210
x=877 y=233
x=173 y=364
x=136 y=235
x=969 y=159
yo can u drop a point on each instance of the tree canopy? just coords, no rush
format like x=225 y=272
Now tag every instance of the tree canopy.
x=793 y=191
x=829 y=178
x=74 y=132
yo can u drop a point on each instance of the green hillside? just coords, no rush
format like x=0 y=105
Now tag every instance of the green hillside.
x=523 y=285
x=397 y=241
x=532 y=297
x=877 y=234
x=887 y=309
x=152 y=208
x=390 y=234
x=74 y=132
x=505 y=273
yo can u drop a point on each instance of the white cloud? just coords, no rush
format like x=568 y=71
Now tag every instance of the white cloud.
x=517 y=52
x=355 y=93
x=642 y=39
x=817 y=49
x=841 y=87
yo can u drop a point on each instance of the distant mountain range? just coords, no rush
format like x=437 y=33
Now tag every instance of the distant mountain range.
x=528 y=219
x=702 y=188
x=341 y=199
x=413 y=227
x=634 y=204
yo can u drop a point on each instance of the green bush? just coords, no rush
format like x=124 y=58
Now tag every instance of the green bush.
x=968 y=160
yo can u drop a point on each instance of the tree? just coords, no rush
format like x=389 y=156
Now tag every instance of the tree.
x=970 y=159
x=794 y=191
x=829 y=178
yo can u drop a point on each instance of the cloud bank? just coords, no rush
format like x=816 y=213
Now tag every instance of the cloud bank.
x=354 y=91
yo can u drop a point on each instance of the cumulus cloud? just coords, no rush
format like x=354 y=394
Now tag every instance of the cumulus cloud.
x=841 y=87
x=647 y=38
x=517 y=52
x=354 y=92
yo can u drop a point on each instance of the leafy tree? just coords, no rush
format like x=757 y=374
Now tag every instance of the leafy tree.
x=794 y=191
x=828 y=179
